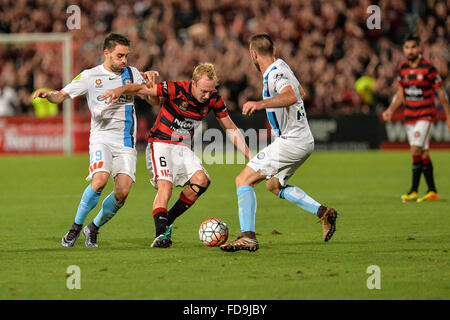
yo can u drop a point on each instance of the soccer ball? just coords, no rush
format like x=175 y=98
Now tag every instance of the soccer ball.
x=213 y=232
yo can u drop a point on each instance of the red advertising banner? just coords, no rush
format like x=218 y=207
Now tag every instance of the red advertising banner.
x=41 y=135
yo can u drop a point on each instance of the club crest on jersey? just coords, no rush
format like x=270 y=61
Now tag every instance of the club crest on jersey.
x=261 y=155
x=98 y=83
x=184 y=105
x=420 y=77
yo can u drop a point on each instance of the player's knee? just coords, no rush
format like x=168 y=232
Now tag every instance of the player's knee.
x=121 y=195
x=240 y=181
x=203 y=182
x=416 y=151
x=201 y=179
x=99 y=181
x=199 y=186
x=273 y=187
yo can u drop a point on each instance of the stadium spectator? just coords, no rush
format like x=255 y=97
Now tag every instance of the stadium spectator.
x=320 y=40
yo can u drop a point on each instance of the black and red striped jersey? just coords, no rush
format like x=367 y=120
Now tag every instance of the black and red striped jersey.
x=418 y=85
x=181 y=113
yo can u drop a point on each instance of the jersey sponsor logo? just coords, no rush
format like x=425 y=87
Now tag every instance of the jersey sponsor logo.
x=185 y=125
x=123 y=99
x=414 y=91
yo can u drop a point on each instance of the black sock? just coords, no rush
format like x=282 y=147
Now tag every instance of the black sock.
x=179 y=208
x=427 y=170
x=92 y=226
x=416 y=173
x=160 y=218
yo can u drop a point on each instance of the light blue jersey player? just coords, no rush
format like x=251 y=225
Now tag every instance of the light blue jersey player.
x=277 y=162
x=112 y=136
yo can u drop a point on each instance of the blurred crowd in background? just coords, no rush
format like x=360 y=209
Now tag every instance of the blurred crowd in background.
x=344 y=67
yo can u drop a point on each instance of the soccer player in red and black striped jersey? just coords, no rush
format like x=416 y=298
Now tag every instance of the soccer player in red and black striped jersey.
x=418 y=79
x=169 y=157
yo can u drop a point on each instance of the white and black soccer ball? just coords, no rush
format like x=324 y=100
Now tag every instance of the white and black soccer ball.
x=213 y=232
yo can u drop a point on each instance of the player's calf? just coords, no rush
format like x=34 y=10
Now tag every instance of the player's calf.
x=188 y=196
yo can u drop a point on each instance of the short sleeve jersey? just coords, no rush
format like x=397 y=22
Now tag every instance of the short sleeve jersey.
x=115 y=123
x=418 y=84
x=290 y=121
x=181 y=113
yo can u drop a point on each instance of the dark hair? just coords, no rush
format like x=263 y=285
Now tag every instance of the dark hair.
x=262 y=44
x=412 y=37
x=114 y=39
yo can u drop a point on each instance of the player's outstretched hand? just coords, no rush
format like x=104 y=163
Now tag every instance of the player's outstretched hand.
x=249 y=107
x=42 y=94
x=111 y=96
x=150 y=77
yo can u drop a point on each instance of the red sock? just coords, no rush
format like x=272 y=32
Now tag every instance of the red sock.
x=158 y=210
x=417 y=159
x=186 y=200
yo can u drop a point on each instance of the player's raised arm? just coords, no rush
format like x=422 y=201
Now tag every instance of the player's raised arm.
x=147 y=89
x=235 y=135
x=52 y=96
x=286 y=98
x=133 y=89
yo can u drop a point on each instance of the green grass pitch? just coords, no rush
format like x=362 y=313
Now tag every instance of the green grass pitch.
x=408 y=241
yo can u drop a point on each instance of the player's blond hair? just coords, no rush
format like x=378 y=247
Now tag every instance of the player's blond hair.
x=205 y=69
